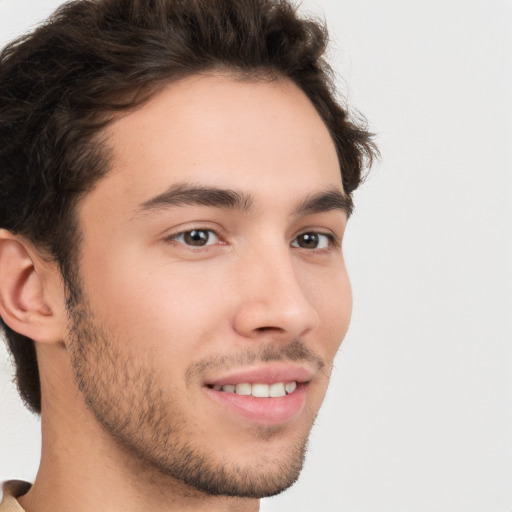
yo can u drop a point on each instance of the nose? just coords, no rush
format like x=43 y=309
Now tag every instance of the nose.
x=272 y=299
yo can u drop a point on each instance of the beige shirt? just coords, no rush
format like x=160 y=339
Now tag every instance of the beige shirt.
x=12 y=490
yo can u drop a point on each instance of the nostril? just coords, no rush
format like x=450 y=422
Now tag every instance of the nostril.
x=269 y=329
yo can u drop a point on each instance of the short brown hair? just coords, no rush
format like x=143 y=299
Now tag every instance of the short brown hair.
x=61 y=84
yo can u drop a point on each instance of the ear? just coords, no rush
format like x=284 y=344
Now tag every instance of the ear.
x=31 y=291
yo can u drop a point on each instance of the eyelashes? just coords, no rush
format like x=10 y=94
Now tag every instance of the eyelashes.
x=196 y=237
x=313 y=240
x=203 y=237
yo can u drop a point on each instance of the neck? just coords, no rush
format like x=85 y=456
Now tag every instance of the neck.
x=80 y=475
x=83 y=469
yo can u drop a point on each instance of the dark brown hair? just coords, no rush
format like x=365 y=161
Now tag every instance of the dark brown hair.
x=65 y=81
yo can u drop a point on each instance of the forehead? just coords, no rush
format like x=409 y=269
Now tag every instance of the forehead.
x=257 y=136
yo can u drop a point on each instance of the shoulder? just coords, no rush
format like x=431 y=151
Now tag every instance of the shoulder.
x=12 y=489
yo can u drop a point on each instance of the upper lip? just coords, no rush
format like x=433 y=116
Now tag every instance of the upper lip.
x=265 y=374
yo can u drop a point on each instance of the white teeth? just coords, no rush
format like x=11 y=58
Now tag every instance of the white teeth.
x=243 y=389
x=260 y=390
x=275 y=390
x=290 y=387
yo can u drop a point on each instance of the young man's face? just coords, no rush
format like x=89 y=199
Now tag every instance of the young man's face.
x=211 y=262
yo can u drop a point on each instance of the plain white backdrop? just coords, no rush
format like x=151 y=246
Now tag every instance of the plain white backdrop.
x=418 y=417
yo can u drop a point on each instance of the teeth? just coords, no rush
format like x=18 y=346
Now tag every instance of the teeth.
x=290 y=387
x=276 y=390
x=259 y=390
x=243 y=389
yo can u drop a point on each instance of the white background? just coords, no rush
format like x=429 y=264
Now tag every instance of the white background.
x=419 y=413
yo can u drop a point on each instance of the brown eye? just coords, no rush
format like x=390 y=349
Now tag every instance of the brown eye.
x=197 y=237
x=311 y=241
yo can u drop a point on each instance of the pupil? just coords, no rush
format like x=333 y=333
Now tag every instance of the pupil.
x=196 y=237
x=309 y=240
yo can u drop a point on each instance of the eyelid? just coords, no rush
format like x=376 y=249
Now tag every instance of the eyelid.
x=183 y=233
x=333 y=240
x=183 y=230
x=193 y=225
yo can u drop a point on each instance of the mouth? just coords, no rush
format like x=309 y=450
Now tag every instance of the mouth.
x=259 y=390
x=271 y=395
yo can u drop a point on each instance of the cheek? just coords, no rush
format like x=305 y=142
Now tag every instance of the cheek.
x=333 y=301
x=159 y=304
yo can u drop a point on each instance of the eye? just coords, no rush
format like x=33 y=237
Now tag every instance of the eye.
x=312 y=241
x=196 y=237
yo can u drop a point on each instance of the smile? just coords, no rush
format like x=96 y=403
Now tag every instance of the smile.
x=276 y=390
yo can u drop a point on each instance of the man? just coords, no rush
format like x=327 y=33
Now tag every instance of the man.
x=176 y=180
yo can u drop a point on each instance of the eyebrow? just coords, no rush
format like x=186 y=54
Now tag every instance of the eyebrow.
x=188 y=195
x=331 y=199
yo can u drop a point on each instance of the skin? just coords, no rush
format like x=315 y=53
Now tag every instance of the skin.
x=124 y=375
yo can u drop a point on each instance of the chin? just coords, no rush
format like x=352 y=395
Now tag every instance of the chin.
x=266 y=476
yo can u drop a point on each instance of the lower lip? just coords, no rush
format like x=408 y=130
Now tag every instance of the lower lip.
x=268 y=411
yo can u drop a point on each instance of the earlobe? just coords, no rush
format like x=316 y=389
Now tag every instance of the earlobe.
x=26 y=295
